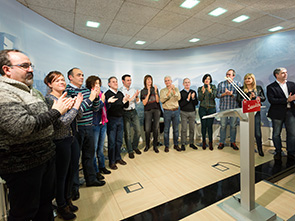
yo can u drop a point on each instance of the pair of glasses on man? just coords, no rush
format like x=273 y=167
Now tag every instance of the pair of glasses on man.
x=25 y=66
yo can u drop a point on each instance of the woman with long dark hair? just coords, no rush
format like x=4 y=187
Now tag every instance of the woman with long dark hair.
x=206 y=96
x=150 y=98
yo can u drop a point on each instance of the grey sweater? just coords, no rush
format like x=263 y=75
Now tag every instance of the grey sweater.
x=25 y=128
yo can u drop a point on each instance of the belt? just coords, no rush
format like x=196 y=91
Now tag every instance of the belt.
x=129 y=110
x=175 y=109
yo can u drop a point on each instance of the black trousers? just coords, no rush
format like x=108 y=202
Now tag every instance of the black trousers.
x=31 y=193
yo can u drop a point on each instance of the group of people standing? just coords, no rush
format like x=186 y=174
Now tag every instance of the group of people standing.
x=41 y=138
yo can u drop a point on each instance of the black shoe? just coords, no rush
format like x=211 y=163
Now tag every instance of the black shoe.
x=260 y=151
x=137 y=151
x=75 y=195
x=156 y=149
x=99 y=176
x=278 y=156
x=65 y=213
x=193 y=146
x=96 y=183
x=176 y=147
x=166 y=149
x=122 y=162
x=131 y=155
x=220 y=146
x=104 y=170
x=182 y=147
x=234 y=146
x=72 y=207
x=210 y=145
x=146 y=149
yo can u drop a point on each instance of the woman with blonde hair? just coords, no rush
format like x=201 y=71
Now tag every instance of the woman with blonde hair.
x=254 y=92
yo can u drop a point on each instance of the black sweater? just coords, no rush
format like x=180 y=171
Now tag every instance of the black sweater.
x=185 y=105
x=115 y=109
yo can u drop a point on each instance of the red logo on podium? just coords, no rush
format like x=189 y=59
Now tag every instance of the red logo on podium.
x=251 y=106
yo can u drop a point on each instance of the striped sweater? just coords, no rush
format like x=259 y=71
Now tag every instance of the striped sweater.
x=87 y=107
x=25 y=128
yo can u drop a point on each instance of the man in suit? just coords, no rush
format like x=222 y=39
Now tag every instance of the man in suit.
x=281 y=96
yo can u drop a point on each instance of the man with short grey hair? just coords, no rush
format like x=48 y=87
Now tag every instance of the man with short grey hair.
x=187 y=103
x=169 y=96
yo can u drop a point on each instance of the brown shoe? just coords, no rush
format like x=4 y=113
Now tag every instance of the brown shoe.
x=166 y=149
x=122 y=162
x=204 y=146
x=113 y=166
x=131 y=155
x=137 y=151
x=176 y=147
x=210 y=146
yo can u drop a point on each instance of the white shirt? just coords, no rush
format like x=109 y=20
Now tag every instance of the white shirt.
x=130 y=92
x=285 y=90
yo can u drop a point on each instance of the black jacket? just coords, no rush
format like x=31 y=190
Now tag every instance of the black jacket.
x=259 y=93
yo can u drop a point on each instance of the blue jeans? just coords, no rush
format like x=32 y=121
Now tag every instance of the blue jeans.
x=131 y=119
x=115 y=138
x=233 y=128
x=258 y=129
x=85 y=139
x=99 y=137
x=277 y=126
x=171 y=116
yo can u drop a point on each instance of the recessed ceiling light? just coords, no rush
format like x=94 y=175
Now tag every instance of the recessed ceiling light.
x=240 y=18
x=140 y=42
x=218 y=11
x=275 y=28
x=194 y=40
x=92 y=24
x=189 y=4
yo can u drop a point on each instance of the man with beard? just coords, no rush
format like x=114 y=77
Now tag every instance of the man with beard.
x=26 y=148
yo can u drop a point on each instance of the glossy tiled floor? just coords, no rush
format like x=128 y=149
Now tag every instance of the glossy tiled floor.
x=163 y=176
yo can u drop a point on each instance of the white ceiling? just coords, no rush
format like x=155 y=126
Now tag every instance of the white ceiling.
x=163 y=24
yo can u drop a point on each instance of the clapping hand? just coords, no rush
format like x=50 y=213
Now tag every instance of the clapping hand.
x=112 y=99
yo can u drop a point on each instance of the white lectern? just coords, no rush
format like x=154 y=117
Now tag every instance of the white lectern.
x=245 y=207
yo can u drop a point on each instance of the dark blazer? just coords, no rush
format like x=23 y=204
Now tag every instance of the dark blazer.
x=259 y=93
x=278 y=100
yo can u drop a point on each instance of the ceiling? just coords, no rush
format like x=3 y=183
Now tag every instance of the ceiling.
x=163 y=24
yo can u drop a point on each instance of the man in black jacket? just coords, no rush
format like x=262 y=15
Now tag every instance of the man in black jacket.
x=115 y=112
x=281 y=96
x=187 y=103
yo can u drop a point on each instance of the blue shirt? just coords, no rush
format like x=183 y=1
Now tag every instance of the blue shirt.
x=227 y=101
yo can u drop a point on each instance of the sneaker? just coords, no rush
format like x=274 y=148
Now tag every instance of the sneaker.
x=193 y=146
x=220 y=146
x=234 y=146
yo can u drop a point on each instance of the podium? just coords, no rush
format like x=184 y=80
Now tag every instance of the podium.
x=243 y=206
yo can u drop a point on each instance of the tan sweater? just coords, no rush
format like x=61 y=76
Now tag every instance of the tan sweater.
x=169 y=101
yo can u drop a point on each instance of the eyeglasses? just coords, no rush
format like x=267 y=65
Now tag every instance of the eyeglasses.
x=25 y=66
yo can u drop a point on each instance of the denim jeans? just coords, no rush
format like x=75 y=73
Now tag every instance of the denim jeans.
x=131 y=120
x=115 y=138
x=64 y=171
x=171 y=116
x=189 y=117
x=151 y=122
x=233 y=128
x=277 y=125
x=207 y=124
x=258 y=129
x=31 y=192
x=99 y=137
x=85 y=139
